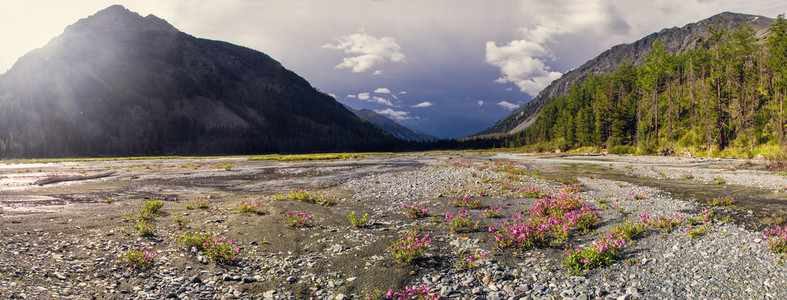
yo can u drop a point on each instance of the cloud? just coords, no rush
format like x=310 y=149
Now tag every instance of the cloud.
x=507 y=105
x=382 y=101
x=480 y=102
x=521 y=62
x=403 y=92
x=396 y=114
x=352 y=96
x=368 y=51
x=423 y=104
x=363 y=96
x=382 y=91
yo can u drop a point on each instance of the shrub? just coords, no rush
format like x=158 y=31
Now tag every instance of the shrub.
x=358 y=223
x=138 y=259
x=410 y=246
x=299 y=220
x=602 y=253
x=461 y=223
x=248 y=207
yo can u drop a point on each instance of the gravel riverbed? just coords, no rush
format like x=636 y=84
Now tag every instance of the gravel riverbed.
x=71 y=251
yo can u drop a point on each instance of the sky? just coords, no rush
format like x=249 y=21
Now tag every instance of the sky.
x=450 y=67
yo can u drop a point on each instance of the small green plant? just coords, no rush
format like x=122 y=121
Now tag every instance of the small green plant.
x=219 y=249
x=531 y=192
x=467 y=261
x=722 y=201
x=362 y=222
x=629 y=230
x=572 y=188
x=698 y=231
x=180 y=221
x=493 y=212
x=138 y=259
x=145 y=228
x=107 y=200
x=593 y=176
x=410 y=246
x=299 y=220
x=622 y=184
x=149 y=209
x=602 y=253
x=198 y=203
x=249 y=207
x=719 y=180
x=462 y=222
x=306 y=196
x=687 y=176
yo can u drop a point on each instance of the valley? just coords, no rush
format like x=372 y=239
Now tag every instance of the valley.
x=74 y=239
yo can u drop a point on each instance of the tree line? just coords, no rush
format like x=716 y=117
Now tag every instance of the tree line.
x=726 y=94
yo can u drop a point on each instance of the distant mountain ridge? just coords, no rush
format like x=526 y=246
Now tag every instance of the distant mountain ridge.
x=676 y=40
x=117 y=83
x=392 y=127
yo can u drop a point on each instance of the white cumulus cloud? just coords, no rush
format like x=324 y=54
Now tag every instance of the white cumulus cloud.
x=367 y=51
x=363 y=96
x=521 y=62
x=396 y=114
x=480 y=102
x=382 y=91
x=423 y=104
x=507 y=105
x=382 y=101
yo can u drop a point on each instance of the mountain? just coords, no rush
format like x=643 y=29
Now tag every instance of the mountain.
x=397 y=130
x=676 y=41
x=117 y=83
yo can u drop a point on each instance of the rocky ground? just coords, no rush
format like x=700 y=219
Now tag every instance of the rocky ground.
x=65 y=240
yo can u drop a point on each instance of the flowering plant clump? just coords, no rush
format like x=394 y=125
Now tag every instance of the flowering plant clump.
x=722 y=201
x=415 y=292
x=602 y=253
x=149 y=209
x=249 y=207
x=593 y=176
x=668 y=224
x=468 y=201
x=639 y=196
x=629 y=230
x=180 y=221
x=198 y=203
x=554 y=206
x=517 y=233
x=531 y=192
x=777 y=240
x=221 y=250
x=299 y=220
x=415 y=211
x=142 y=258
x=462 y=222
x=572 y=188
x=719 y=180
x=362 y=222
x=469 y=261
x=145 y=228
x=410 y=246
x=493 y=212
x=305 y=196
x=687 y=176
